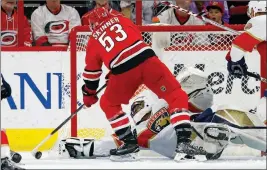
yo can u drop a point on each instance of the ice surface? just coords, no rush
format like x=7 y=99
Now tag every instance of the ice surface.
x=226 y=162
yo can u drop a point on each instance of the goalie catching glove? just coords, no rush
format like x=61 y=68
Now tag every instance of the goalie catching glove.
x=76 y=148
x=89 y=96
x=238 y=68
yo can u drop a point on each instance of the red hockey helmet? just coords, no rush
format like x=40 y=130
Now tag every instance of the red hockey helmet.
x=97 y=16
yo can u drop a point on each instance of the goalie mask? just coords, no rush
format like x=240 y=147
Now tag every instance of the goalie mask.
x=140 y=110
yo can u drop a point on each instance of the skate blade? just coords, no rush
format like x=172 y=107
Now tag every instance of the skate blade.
x=180 y=157
x=125 y=158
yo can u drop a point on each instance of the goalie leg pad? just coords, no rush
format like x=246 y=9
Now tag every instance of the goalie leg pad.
x=216 y=137
x=77 y=148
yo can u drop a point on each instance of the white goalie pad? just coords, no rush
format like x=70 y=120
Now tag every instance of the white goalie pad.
x=249 y=138
x=192 y=79
x=230 y=133
x=76 y=148
x=194 y=83
x=216 y=137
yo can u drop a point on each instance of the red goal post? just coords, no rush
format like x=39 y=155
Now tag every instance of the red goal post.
x=184 y=40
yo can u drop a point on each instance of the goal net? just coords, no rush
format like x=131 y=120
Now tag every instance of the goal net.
x=202 y=47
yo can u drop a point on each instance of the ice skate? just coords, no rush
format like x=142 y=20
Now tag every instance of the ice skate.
x=186 y=151
x=128 y=151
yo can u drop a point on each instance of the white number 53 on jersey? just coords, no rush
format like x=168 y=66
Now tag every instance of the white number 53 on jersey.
x=107 y=42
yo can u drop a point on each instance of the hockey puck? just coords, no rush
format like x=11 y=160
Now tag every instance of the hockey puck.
x=38 y=155
x=16 y=157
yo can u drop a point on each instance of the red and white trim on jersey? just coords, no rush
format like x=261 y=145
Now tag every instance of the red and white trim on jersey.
x=180 y=117
x=92 y=78
x=92 y=75
x=120 y=123
x=249 y=43
x=128 y=53
x=240 y=46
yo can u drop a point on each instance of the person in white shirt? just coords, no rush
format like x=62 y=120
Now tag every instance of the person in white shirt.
x=52 y=22
x=175 y=17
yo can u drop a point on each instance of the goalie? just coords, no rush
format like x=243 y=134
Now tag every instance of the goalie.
x=163 y=140
x=153 y=129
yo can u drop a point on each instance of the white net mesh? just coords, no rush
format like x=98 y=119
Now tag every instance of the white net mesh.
x=205 y=50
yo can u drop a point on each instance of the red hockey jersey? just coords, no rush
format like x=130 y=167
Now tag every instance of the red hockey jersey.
x=117 y=43
x=9 y=30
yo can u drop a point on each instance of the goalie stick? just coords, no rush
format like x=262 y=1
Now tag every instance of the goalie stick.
x=37 y=154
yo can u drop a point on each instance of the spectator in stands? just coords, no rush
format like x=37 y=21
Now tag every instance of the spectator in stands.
x=215 y=12
x=200 y=6
x=52 y=22
x=9 y=25
x=176 y=17
x=112 y=4
x=129 y=10
x=99 y=3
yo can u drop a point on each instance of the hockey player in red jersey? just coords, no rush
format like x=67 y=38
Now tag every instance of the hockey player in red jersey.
x=9 y=25
x=118 y=43
x=254 y=36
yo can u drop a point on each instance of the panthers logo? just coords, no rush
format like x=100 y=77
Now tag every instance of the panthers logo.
x=57 y=27
x=9 y=38
x=159 y=121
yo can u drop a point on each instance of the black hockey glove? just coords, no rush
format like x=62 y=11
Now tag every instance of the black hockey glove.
x=238 y=68
x=5 y=89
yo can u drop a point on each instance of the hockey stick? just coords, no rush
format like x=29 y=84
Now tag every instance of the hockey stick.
x=204 y=19
x=247 y=127
x=258 y=77
x=37 y=154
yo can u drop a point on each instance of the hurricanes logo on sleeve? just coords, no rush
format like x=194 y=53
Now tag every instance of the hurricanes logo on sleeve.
x=57 y=27
x=9 y=38
x=159 y=121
